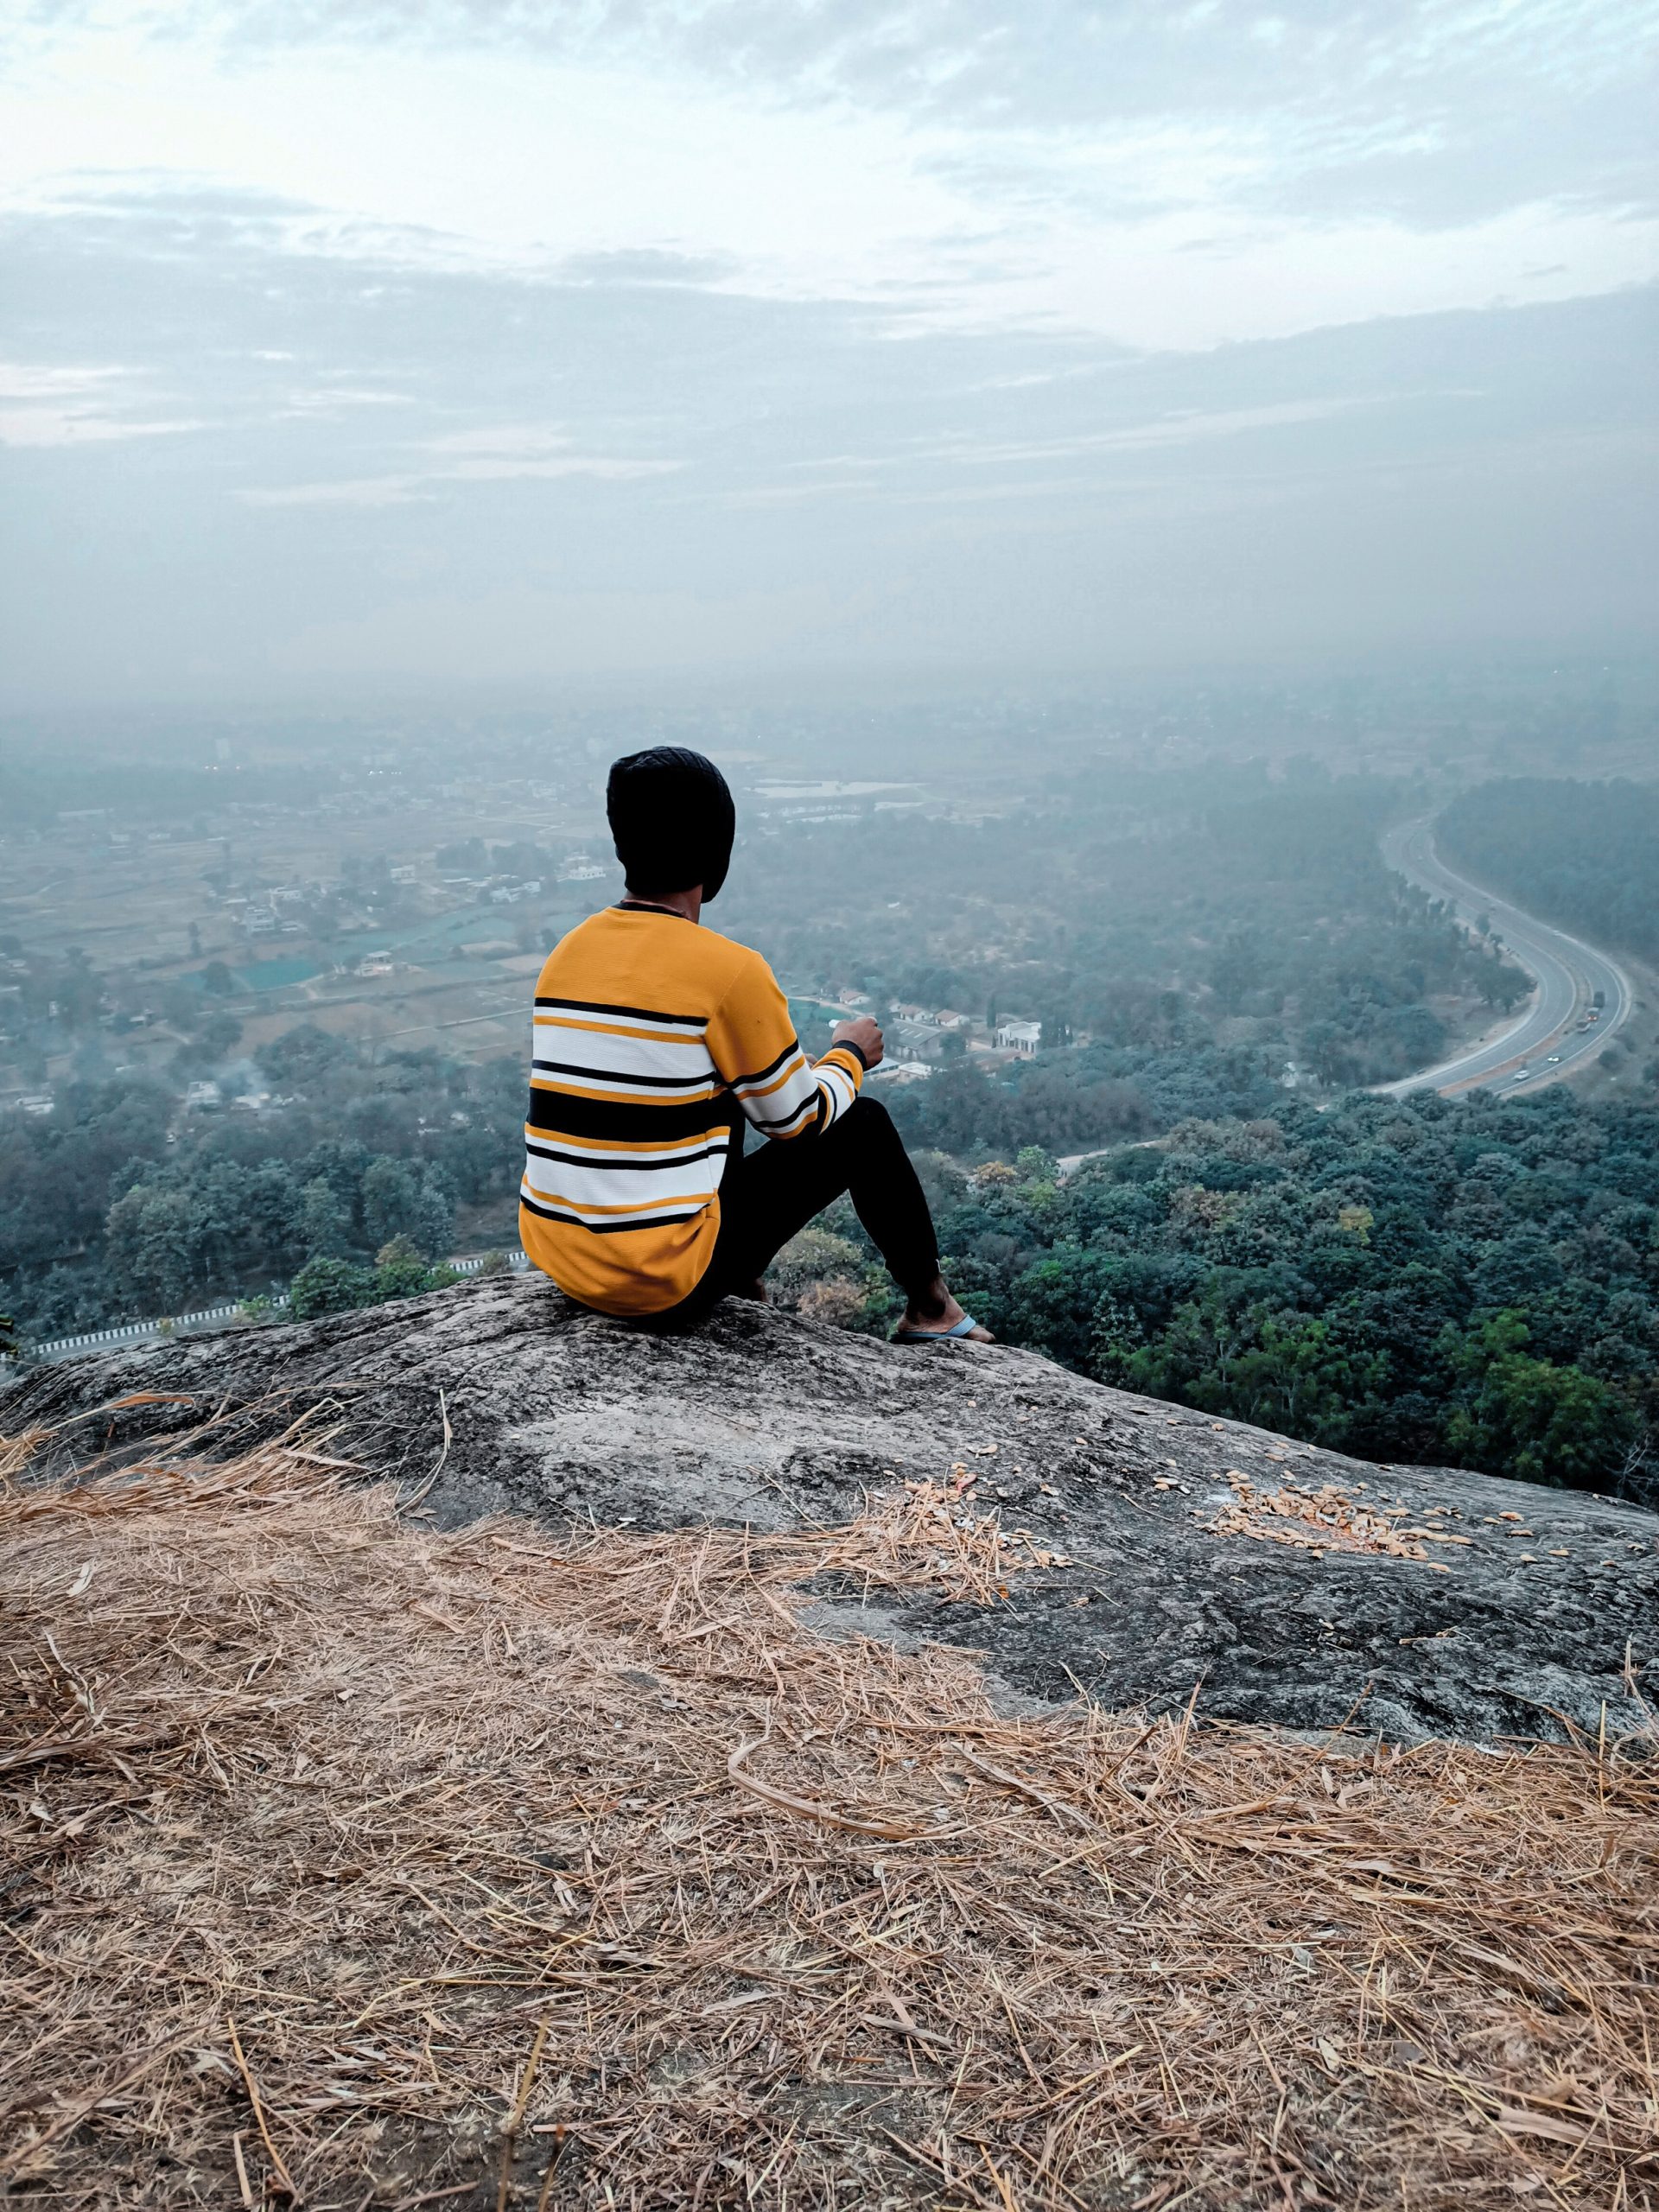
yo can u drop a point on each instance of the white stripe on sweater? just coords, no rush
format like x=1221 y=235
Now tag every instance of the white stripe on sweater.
x=697 y=1180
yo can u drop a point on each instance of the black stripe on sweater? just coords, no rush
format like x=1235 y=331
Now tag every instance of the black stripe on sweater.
x=623 y=1012
x=761 y=1075
x=625 y=1121
x=633 y=1161
x=709 y=1082
x=819 y=1108
x=609 y=1227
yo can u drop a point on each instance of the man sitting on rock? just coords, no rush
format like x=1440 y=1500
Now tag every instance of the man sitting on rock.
x=656 y=1043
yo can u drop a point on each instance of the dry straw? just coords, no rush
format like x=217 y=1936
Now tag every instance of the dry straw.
x=352 y=1863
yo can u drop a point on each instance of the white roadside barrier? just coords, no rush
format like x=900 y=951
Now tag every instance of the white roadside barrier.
x=207 y=1317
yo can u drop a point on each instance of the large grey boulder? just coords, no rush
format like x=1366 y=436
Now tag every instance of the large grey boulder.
x=522 y=1402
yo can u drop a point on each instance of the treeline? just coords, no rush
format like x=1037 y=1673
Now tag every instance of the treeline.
x=1585 y=855
x=117 y=1203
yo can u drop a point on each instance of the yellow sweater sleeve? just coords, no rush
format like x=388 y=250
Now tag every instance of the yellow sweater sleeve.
x=753 y=1044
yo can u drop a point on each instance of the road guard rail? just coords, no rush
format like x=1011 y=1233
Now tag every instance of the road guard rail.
x=206 y=1317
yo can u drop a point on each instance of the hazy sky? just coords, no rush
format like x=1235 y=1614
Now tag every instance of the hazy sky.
x=428 y=346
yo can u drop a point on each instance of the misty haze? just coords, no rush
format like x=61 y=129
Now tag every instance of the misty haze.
x=1093 y=1082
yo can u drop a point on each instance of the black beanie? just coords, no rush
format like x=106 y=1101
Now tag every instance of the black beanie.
x=672 y=817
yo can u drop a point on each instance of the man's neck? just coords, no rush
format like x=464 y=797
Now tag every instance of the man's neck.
x=686 y=903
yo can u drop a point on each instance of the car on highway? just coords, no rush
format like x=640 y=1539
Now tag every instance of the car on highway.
x=1554 y=1060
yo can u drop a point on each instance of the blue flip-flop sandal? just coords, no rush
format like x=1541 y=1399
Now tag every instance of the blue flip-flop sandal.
x=965 y=1327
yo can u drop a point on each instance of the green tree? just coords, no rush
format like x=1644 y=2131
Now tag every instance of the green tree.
x=1514 y=1414
x=1117 y=1333
x=390 y=1192
x=813 y=1256
x=432 y=1218
x=399 y=1270
x=1297 y=1377
x=324 y=1225
x=1052 y=1305
x=1193 y=1357
x=153 y=1243
x=329 y=1287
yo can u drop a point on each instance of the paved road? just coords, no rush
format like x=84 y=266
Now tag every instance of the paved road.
x=1544 y=1043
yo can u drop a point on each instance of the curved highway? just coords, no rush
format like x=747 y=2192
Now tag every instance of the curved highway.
x=1552 y=1037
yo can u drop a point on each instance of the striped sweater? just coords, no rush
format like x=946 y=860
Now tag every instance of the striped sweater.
x=651 y=1034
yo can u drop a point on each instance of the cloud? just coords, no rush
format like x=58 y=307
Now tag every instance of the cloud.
x=53 y=426
x=504 y=467
x=486 y=453
x=1181 y=428
x=1169 y=175
x=498 y=453
x=646 y=265
x=54 y=405
x=860 y=476
x=361 y=492
x=1496 y=104
x=973 y=421
x=338 y=399
x=32 y=381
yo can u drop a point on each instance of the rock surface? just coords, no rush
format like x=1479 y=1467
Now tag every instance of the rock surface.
x=511 y=1399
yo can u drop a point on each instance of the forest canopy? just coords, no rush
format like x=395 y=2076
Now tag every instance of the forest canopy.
x=1418 y=1280
x=1584 y=855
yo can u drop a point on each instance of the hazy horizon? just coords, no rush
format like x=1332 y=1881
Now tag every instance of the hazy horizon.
x=741 y=347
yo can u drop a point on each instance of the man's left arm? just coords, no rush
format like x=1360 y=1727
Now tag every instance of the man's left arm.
x=754 y=1047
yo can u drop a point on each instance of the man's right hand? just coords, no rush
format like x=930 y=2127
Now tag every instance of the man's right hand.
x=866 y=1033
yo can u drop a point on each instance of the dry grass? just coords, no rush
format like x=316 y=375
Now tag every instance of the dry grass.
x=352 y=1863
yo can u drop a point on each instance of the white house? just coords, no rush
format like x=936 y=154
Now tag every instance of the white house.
x=1022 y=1036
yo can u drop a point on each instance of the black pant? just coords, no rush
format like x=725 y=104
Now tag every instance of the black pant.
x=767 y=1196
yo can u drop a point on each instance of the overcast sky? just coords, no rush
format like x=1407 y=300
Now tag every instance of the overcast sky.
x=466 y=346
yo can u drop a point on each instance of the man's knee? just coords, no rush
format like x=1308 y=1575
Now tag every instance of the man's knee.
x=867 y=1123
